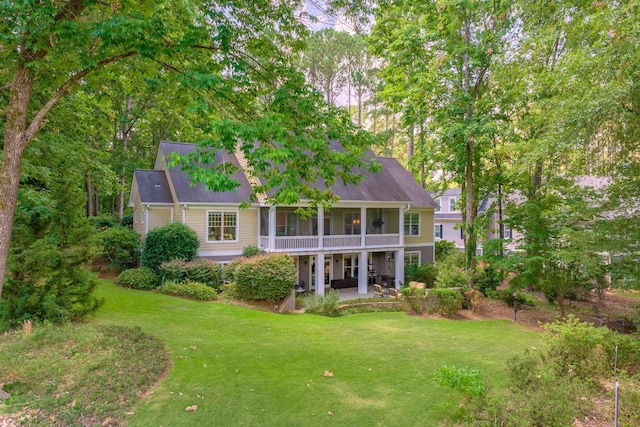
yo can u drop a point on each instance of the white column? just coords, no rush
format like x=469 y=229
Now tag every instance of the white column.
x=320 y=273
x=363 y=275
x=363 y=227
x=320 y=227
x=401 y=227
x=399 y=268
x=272 y=228
x=184 y=214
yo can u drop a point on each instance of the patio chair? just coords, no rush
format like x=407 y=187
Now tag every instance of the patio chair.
x=599 y=319
x=378 y=291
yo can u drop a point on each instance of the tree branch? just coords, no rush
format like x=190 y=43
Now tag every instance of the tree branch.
x=38 y=119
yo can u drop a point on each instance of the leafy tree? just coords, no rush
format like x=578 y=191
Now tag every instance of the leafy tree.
x=232 y=57
x=439 y=58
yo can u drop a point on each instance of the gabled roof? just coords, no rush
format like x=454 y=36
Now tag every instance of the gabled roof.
x=152 y=186
x=393 y=184
x=186 y=193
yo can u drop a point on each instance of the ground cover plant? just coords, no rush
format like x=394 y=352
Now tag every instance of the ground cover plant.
x=240 y=366
x=75 y=375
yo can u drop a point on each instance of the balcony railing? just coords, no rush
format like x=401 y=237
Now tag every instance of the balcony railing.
x=306 y=243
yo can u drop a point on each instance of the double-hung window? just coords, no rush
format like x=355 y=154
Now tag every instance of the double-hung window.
x=411 y=258
x=222 y=226
x=438 y=231
x=412 y=224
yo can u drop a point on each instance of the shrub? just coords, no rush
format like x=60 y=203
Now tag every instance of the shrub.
x=580 y=346
x=48 y=280
x=127 y=221
x=425 y=273
x=487 y=280
x=102 y=222
x=138 y=278
x=414 y=298
x=173 y=241
x=190 y=289
x=509 y=296
x=199 y=270
x=121 y=246
x=451 y=277
x=326 y=305
x=473 y=300
x=443 y=301
x=466 y=380
x=265 y=277
x=251 y=250
x=229 y=270
x=443 y=248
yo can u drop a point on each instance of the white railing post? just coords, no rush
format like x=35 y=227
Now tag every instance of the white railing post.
x=320 y=227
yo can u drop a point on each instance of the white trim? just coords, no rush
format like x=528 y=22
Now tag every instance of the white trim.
x=220 y=253
x=222 y=211
x=419 y=245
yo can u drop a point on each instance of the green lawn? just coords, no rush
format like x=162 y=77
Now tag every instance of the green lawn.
x=244 y=367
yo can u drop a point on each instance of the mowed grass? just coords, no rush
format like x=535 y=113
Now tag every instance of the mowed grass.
x=244 y=367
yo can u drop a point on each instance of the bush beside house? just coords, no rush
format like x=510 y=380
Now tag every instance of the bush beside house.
x=199 y=270
x=173 y=241
x=264 y=277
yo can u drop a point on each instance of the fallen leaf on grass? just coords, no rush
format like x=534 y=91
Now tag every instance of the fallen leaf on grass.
x=193 y=347
x=330 y=413
x=328 y=374
x=192 y=408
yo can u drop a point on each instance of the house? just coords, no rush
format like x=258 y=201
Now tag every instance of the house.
x=448 y=218
x=449 y=221
x=376 y=227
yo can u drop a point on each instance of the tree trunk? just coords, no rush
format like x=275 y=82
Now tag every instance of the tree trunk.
x=15 y=142
x=126 y=131
x=393 y=134
x=410 y=143
x=89 y=190
x=469 y=232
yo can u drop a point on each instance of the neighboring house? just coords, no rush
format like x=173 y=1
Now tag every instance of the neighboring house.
x=449 y=221
x=448 y=218
x=376 y=227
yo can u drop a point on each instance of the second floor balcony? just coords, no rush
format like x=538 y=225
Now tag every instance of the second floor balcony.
x=283 y=230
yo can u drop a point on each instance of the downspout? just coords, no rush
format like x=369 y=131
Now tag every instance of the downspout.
x=146 y=219
x=184 y=213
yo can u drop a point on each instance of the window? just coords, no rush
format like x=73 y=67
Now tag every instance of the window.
x=438 y=231
x=462 y=233
x=352 y=223
x=506 y=232
x=412 y=224
x=439 y=202
x=222 y=226
x=452 y=204
x=286 y=224
x=411 y=258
